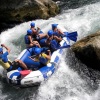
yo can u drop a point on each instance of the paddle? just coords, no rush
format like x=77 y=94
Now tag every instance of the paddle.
x=56 y=45
x=72 y=36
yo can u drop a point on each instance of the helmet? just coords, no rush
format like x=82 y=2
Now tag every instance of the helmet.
x=37 y=51
x=54 y=25
x=50 y=32
x=1 y=49
x=29 y=32
x=32 y=24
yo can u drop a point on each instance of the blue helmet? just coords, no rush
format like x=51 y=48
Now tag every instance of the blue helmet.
x=32 y=24
x=37 y=51
x=54 y=25
x=29 y=32
x=50 y=32
x=1 y=50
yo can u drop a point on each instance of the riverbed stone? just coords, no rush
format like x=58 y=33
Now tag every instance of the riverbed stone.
x=12 y=11
x=87 y=50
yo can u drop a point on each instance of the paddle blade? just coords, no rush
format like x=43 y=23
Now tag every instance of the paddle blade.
x=54 y=44
x=72 y=36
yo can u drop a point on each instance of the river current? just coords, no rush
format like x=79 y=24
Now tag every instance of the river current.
x=73 y=80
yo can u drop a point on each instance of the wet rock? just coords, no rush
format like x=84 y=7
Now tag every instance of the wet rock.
x=17 y=11
x=87 y=50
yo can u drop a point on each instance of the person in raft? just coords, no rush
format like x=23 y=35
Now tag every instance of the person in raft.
x=50 y=42
x=29 y=39
x=35 y=31
x=58 y=34
x=41 y=58
x=37 y=34
x=6 y=64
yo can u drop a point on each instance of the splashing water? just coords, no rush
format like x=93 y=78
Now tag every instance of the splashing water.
x=66 y=83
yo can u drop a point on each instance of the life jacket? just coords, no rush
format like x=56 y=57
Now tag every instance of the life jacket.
x=56 y=33
x=4 y=65
x=43 y=59
x=54 y=45
x=26 y=39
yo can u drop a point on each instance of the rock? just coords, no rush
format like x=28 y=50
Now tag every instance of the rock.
x=87 y=50
x=17 y=11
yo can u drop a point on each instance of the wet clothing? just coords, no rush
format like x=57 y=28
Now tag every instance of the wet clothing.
x=4 y=60
x=54 y=45
x=27 y=41
x=42 y=59
x=34 y=63
x=56 y=33
x=5 y=63
x=43 y=42
x=4 y=57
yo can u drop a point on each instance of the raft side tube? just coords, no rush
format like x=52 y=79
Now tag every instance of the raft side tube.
x=32 y=78
x=24 y=56
x=47 y=71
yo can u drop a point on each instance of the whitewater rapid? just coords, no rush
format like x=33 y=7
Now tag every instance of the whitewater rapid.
x=66 y=83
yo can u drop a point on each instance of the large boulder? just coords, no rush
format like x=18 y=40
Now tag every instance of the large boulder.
x=25 y=10
x=87 y=50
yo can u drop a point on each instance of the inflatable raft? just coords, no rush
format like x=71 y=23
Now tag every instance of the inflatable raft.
x=30 y=78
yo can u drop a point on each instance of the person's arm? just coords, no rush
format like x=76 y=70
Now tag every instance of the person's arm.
x=43 y=35
x=48 y=41
x=58 y=38
x=30 y=39
x=60 y=32
x=8 y=49
x=49 y=54
x=22 y=64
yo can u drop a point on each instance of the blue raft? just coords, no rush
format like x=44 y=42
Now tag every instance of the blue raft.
x=28 y=77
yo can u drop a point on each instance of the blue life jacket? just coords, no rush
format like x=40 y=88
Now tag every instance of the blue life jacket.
x=54 y=44
x=26 y=39
x=4 y=57
x=56 y=33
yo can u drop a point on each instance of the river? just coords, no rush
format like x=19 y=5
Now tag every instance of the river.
x=73 y=80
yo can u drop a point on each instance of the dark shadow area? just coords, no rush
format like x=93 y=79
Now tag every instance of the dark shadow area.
x=89 y=57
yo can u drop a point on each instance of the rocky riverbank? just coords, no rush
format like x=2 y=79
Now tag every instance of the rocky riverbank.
x=87 y=50
x=16 y=11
